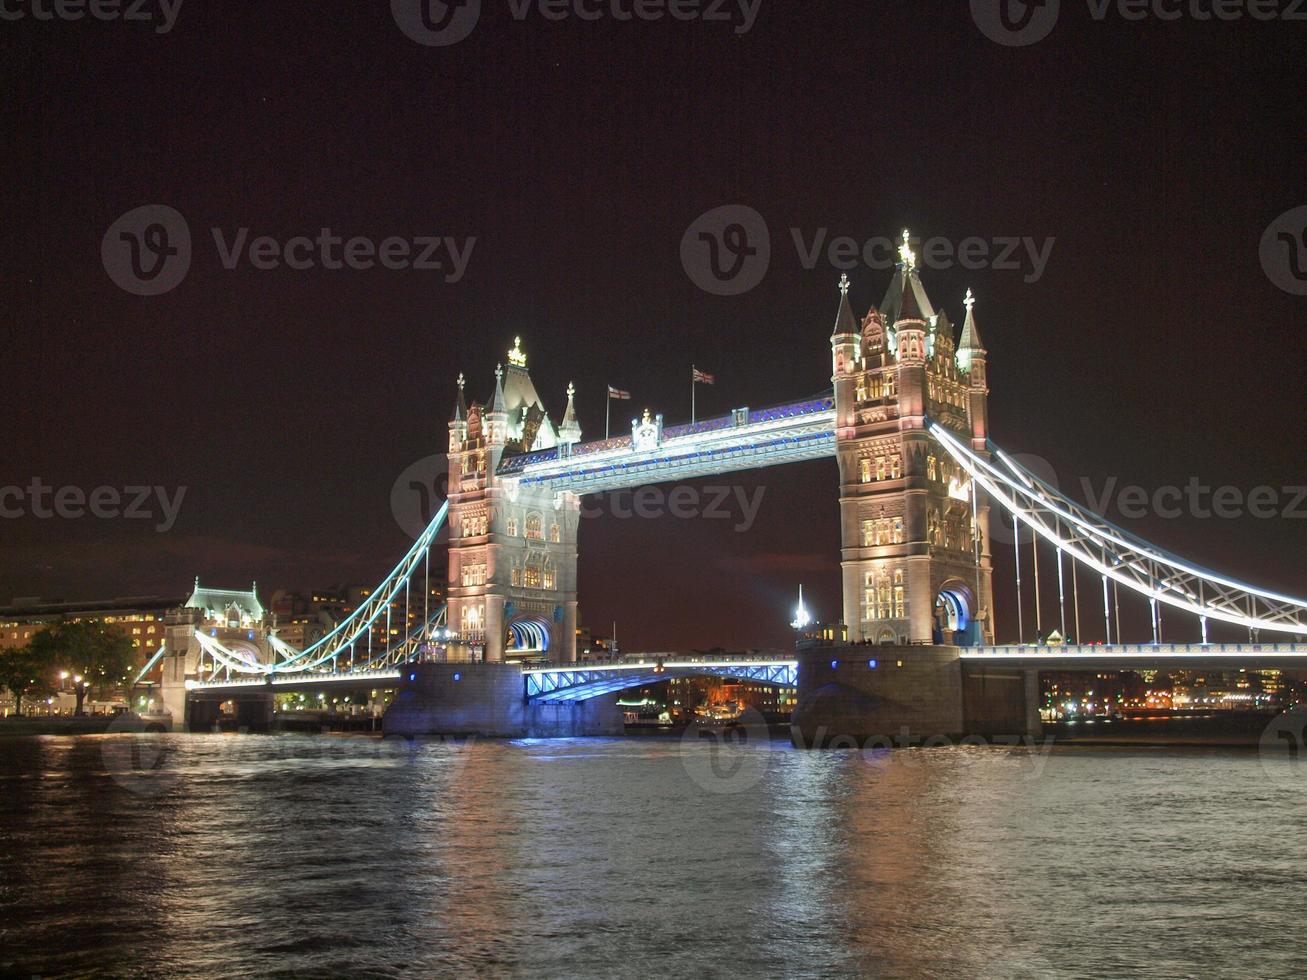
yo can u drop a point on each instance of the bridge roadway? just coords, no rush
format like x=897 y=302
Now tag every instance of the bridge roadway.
x=1144 y=656
x=583 y=681
x=744 y=440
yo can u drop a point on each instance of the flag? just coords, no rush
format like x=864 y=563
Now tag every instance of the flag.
x=622 y=396
x=702 y=378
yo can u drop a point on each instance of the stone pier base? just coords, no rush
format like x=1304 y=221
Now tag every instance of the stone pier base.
x=489 y=699
x=908 y=695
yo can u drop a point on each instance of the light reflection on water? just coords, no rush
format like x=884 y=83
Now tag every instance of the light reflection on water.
x=247 y=855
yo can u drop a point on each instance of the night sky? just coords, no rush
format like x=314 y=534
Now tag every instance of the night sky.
x=1154 y=348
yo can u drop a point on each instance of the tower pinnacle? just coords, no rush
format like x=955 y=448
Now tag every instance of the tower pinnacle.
x=906 y=255
x=845 y=323
x=517 y=356
x=970 y=333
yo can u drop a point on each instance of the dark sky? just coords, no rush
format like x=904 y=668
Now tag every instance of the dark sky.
x=1154 y=348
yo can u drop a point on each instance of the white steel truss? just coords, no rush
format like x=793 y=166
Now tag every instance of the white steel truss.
x=1119 y=555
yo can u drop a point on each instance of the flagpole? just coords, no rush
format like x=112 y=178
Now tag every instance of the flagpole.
x=608 y=409
x=692 y=394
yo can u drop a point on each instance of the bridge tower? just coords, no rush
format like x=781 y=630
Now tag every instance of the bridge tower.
x=913 y=569
x=512 y=549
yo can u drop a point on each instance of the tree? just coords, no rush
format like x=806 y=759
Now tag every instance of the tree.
x=95 y=655
x=24 y=672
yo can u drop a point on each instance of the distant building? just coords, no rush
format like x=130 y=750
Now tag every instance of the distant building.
x=140 y=617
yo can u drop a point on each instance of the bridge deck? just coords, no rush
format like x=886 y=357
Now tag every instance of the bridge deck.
x=743 y=441
x=1145 y=656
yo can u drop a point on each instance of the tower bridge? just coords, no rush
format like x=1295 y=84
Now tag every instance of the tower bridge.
x=905 y=418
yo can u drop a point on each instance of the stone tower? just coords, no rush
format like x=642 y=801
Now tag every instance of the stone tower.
x=512 y=548
x=916 y=567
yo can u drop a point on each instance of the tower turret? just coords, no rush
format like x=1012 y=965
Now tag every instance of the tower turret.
x=458 y=419
x=497 y=413
x=846 y=352
x=570 y=430
x=972 y=358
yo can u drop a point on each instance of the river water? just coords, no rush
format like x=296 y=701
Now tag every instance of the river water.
x=234 y=855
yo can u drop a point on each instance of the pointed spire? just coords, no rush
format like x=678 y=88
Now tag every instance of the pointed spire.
x=909 y=308
x=970 y=334
x=497 y=404
x=570 y=430
x=845 y=322
x=906 y=299
x=460 y=404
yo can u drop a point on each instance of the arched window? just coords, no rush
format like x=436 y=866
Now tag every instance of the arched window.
x=535 y=527
x=555 y=533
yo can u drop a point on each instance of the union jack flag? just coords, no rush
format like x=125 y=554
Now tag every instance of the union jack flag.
x=702 y=377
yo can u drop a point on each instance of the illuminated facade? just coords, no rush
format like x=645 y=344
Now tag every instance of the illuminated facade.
x=915 y=547
x=141 y=619
x=512 y=547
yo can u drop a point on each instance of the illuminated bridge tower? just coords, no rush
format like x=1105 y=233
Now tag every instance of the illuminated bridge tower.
x=512 y=549
x=915 y=570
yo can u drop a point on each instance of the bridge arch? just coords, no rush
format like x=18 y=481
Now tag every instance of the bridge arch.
x=528 y=634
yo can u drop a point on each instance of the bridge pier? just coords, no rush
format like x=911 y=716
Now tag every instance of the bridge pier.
x=849 y=695
x=489 y=699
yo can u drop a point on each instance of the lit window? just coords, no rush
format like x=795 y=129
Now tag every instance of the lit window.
x=535 y=527
x=864 y=470
x=555 y=533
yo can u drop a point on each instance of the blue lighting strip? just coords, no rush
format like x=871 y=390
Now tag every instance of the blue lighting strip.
x=815 y=441
x=572 y=684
